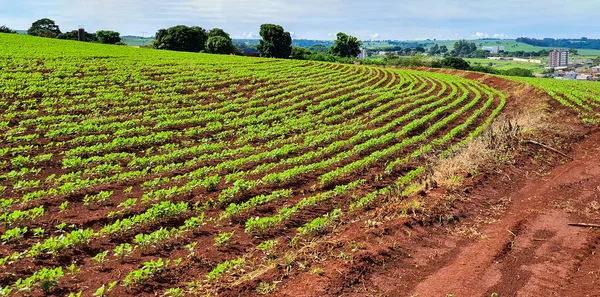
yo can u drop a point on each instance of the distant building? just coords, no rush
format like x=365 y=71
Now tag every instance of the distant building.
x=583 y=77
x=571 y=75
x=559 y=58
x=363 y=54
x=493 y=49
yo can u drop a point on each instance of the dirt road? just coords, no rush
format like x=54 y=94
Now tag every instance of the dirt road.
x=531 y=250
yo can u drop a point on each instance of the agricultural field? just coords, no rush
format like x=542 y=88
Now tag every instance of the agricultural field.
x=140 y=172
x=137 y=172
x=581 y=97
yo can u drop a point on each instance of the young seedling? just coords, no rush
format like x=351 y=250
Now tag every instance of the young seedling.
x=38 y=232
x=174 y=292
x=104 y=291
x=73 y=270
x=268 y=247
x=123 y=250
x=63 y=206
x=190 y=247
x=101 y=259
x=61 y=227
x=265 y=288
x=223 y=238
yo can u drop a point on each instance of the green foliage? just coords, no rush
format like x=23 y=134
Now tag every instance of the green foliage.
x=463 y=48
x=181 y=38
x=74 y=35
x=108 y=37
x=218 y=32
x=346 y=46
x=275 y=42
x=44 y=28
x=300 y=53
x=4 y=29
x=319 y=48
x=454 y=63
x=220 y=45
x=222 y=239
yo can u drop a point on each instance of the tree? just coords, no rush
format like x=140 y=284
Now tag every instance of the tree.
x=220 y=45
x=454 y=63
x=74 y=35
x=519 y=72
x=419 y=49
x=573 y=52
x=218 y=32
x=181 y=38
x=346 y=46
x=44 y=28
x=434 y=49
x=108 y=37
x=275 y=42
x=318 y=48
x=4 y=29
x=463 y=48
x=300 y=53
x=443 y=49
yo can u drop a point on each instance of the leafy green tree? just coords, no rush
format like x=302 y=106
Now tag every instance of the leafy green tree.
x=573 y=51
x=108 y=37
x=443 y=49
x=300 y=53
x=181 y=38
x=318 y=48
x=519 y=72
x=44 y=28
x=220 y=45
x=454 y=63
x=463 y=48
x=434 y=49
x=74 y=35
x=218 y=32
x=345 y=46
x=275 y=42
x=4 y=29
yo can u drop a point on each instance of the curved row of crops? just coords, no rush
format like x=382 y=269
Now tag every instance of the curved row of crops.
x=136 y=171
x=581 y=96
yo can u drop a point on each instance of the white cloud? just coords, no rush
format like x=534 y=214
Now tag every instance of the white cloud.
x=249 y=35
x=486 y=35
x=375 y=35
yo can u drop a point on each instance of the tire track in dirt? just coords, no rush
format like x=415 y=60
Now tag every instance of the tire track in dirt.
x=531 y=250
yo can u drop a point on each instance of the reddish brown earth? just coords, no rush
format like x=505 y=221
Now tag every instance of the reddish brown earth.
x=531 y=250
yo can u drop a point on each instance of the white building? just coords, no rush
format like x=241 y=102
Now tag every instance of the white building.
x=571 y=75
x=493 y=49
x=363 y=54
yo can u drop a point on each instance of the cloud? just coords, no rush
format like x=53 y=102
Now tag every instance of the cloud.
x=314 y=19
x=375 y=36
x=485 y=35
x=250 y=35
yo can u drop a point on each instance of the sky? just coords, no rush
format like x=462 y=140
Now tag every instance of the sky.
x=321 y=19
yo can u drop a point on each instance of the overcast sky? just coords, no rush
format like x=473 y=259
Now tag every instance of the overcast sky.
x=321 y=19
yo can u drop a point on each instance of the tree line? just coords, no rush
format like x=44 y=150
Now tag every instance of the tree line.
x=582 y=43
x=275 y=43
x=48 y=28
